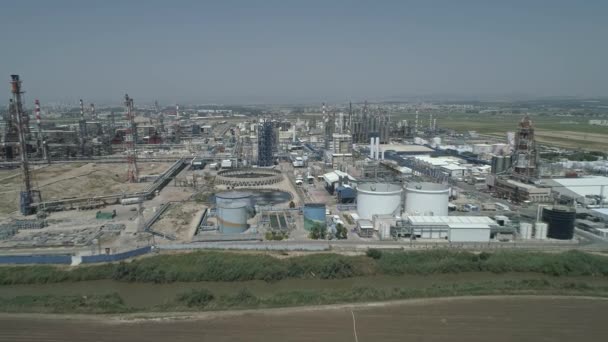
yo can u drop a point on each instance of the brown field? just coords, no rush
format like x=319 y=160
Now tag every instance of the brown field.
x=570 y=139
x=72 y=180
x=177 y=220
x=467 y=319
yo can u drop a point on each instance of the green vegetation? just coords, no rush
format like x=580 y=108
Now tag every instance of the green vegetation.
x=204 y=300
x=196 y=298
x=374 y=253
x=341 y=232
x=276 y=235
x=234 y=267
x=318 y=231
x=111 y=303
x=229 y=266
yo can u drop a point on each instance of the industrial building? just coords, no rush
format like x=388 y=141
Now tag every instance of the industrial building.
x=451 y=228
x=266 y=143
x=590 y=190
x=520 y=192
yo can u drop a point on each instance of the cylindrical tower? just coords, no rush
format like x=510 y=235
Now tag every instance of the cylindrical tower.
x=540 y=230
x=427 y=199
x=560 y=222
x=233 y=210
x=378 y=199
x=525 y=230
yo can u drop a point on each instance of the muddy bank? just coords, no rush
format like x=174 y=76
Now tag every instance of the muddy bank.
x=496 y=318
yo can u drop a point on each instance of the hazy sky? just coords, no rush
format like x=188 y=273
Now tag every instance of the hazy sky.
x=302 y=51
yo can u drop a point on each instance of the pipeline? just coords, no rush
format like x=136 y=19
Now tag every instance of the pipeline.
x=148 y=193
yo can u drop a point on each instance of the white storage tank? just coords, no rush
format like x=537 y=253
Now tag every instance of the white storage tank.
x=233 y=210
x=427 y=199
x=525 y=230
x=378 y=199
x=540 y=231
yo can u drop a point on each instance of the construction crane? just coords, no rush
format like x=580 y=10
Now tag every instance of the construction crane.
x=27 y=195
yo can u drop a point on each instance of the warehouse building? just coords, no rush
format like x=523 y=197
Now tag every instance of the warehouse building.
x=451 y=228
x=520 y=192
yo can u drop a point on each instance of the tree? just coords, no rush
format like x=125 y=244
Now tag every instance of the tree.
x=341 y=231
x=292 y=205
x=318 y=231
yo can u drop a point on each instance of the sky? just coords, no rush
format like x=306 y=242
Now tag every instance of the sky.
x=306 y=51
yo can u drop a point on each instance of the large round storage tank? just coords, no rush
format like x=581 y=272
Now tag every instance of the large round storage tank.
x=378 y=199
x=427 y=199
x=233 y=210
x=314 y=214
x=560 y=221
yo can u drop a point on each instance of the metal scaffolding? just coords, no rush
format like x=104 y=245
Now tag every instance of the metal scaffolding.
x=28 y=195
x=266 y=143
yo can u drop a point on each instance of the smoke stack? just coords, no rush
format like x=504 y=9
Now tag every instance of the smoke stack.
x=37 y=109
x=81 y=109
x=177 y=111
x=377 y=149
x=93 y=115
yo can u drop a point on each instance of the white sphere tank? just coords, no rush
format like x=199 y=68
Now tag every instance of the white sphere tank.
x=427 y=199
x=378 y=199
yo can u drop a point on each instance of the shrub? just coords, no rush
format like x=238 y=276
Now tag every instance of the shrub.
x=196 y=298
x=374 y=253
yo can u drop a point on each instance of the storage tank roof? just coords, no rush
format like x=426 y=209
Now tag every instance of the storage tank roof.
x=427 y=186
x=379 y=187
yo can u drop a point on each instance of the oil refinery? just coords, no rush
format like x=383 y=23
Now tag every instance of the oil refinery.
x=108 y=180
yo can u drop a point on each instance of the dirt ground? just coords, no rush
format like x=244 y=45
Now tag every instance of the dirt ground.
x=592 y=141
x=453 y=319
x=178 y=220
x=58 y=181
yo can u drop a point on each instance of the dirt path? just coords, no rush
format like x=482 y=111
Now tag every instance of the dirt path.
x=195 y=316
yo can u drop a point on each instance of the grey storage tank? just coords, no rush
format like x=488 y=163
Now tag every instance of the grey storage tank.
x=233 y=209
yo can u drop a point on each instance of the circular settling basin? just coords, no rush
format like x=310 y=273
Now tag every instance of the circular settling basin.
x=265 y=197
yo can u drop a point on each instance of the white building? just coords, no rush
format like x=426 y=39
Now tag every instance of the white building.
x=452 y=228
x=453 y=170
x=598 y=122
